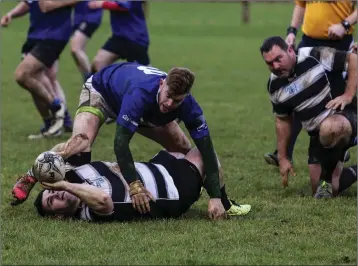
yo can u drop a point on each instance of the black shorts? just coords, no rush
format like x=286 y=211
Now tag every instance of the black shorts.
x=46 y=51
x=315 y=149
x=186 y=178
x=128 y=50
x=86 y=28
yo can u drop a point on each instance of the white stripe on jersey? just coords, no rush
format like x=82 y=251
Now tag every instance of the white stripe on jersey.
x=151 y=185
x=169 y=182
x=148 y=178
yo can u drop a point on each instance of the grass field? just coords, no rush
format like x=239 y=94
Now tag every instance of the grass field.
x=285 y=226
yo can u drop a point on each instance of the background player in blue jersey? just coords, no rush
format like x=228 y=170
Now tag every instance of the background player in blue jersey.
x=98 y=192
x=85 y=22
x=130 y=37
x=148 y=101
x=47 y=37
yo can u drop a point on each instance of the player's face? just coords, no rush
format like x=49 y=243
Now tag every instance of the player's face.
x=168 y=102
x=280 y=62
x=59 y=202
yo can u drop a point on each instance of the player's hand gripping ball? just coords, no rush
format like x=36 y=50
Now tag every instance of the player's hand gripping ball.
x=49 y=167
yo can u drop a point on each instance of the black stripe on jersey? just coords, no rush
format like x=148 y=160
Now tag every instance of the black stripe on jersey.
x=316 y=53
x=159 y=180
x=339 y=62
x=300 y=69
x=308 y=92
x=276 y=84
x=305 y=66
x=281 y=109
x=72 y=177
x=118 y=188
x=309 y=113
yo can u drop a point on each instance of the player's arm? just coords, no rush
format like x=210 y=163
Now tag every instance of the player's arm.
x=352 y=18
x=211 y=183
x=21 y=9
x=96 y=199
x=110 y=5
x=123 y=154
x=132 y=109
x=50 y=5
x=194 y=120
x=283 y=133
x=339 y=61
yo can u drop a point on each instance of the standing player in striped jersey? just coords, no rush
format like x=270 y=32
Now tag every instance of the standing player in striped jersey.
x=325 y=23
x=299 y=86
x=98 y=191
x=86 y=21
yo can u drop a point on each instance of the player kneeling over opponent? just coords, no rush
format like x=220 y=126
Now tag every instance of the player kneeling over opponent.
x=98 y=192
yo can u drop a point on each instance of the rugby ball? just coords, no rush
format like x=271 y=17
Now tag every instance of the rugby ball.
x=49 y=167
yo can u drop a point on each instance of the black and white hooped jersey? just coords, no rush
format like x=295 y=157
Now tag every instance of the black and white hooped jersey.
x=308 y=92
x=170 y=202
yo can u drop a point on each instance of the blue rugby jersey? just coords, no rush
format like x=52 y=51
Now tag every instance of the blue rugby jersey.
x=131 y=91
x=82 y=13
x=53 y=25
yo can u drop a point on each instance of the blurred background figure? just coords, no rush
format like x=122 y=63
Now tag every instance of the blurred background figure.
x=47 y=36
x=130 y=37
x=85 y=22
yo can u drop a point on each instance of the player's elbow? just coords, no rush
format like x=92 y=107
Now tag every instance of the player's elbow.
x=104 y=204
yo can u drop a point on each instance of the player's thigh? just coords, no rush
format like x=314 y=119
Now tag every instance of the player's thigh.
x=78 y=41
x=104 y=58
x=92 y=102
x=48 y=51
x=170 y=136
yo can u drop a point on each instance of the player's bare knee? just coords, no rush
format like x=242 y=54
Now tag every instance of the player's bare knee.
x=334 y=130
x=21 y=76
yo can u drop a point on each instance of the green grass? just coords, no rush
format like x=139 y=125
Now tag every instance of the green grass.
x=285 y=226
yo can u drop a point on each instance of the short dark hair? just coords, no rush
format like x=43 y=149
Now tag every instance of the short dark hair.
x=180 y=80
x=271 y=42
x=38 y=204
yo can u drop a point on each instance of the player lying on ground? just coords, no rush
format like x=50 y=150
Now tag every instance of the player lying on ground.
x=98 y=192
x=148 y=101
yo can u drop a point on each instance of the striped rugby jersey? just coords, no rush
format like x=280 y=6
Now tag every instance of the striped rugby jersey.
x=106 y=176
x=308 y=91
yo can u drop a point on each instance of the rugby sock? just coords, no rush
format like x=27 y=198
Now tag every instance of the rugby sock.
x=79 y=159
x=348 y=178
x=55 y=105
x=224 y=199
x=67 y=120
x=86 y=76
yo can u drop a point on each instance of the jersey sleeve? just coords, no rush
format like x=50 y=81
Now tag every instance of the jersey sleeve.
x=193 y=118
x=133 y=107
x=278 y=109
x=331 y=59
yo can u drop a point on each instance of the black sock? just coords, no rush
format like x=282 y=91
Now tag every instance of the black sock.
x=224 y=199
x=348 y=178
x=80 y=159
x=296 y=129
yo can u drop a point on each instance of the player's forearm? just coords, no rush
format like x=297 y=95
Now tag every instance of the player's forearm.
x=95 y=198
x=49 y=5
x=113 y=6
x=351 y=87
x=21 y=9
x=283 y=132
x=211 y=183
x=123 y=154
x=352 y=18
x=297 y=16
